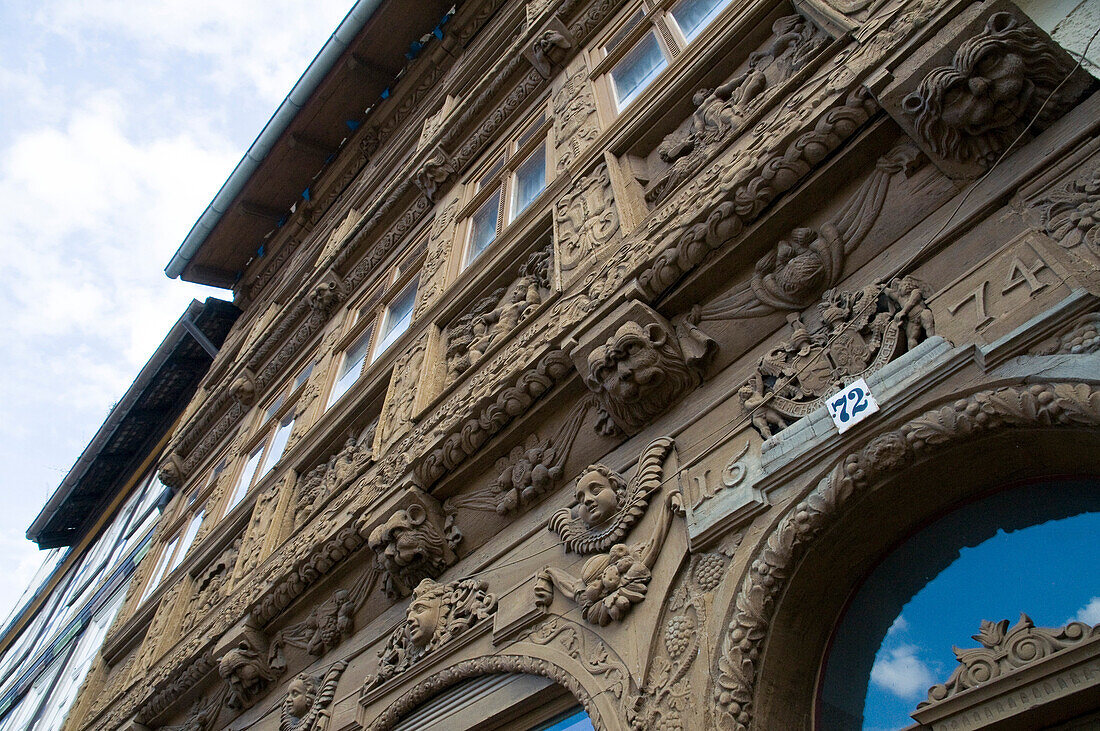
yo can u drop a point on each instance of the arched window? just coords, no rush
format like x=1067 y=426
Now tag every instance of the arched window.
x=1031 y=549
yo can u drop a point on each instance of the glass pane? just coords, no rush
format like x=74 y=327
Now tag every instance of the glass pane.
x=245 y=480
x=188 y=538
x=303 y=376
x=531 y=130
x=352 y=367
x=530 y=180
x=637 y=69
x=483 y=227
x=278 y=443
x=488 y=175
x=694 y=15
x=623 y=32
x=271 y=410
x=159 y=571
x=572 y=720
x=398 y=316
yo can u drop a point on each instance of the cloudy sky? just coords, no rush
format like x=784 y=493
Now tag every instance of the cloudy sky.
x=119 y=121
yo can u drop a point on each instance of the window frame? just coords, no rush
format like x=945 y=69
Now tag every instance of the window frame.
x=657 y=18
x=281 y=406
x=496 y=174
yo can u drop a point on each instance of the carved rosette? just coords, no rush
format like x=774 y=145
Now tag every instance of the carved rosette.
x=642 y=366
x=1004 y=650
x=437 y=614
x=998 y=82
x=1071 y=214
x=1059 y=404
x=847 y=336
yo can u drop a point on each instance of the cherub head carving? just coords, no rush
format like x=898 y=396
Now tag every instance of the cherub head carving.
x=300 y=695
x=600 y=493
x=606 y=506
x=638 y=373
x=305 y=707
x=998 y=80
x=409 y=548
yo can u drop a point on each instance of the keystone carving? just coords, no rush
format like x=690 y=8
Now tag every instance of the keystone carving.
x=644 y=366
x=434 y=172
x=720 y=113
x=495 y=317
x=794 y=274
x=605 y=511
x=308 y=697
x=415 y=543
x=437 y=614
x=849 y=335
x=246 y=671
x=1004 y=650
x=244 y=388
x=972 y=110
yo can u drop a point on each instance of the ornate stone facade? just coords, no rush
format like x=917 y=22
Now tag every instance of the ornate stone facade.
x=597 y=448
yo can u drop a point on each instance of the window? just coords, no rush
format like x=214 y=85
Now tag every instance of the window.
x=647 y=40
x=506 y=185
x=396 y=318
x=352 y=364
x=265 y=455
x=175 y=550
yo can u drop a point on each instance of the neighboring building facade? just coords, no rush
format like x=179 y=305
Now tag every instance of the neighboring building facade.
x=538 y=409
x=97 y=527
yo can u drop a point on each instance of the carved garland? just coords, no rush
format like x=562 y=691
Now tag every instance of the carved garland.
x=1060 y=404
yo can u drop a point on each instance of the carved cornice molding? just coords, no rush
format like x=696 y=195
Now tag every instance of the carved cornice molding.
x=858 y=472
x=1005 y=650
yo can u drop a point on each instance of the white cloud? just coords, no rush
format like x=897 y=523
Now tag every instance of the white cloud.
x=1089 y=614
x=899 y=626
x=901 y=672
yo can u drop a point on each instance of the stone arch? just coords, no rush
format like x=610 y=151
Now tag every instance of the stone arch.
x=488 y=664
x=893 y=456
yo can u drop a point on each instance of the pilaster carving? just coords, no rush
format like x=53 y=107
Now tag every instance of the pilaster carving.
x=308 y=698
x=414 y=543
x=439 y=248
x=401 y=396
x=265 y=524
x=638 y=365
x=575 y=124
x=860 y=471
x=528 y=472
x=605 y=510
x=493 y=318
x=809 y=261
x=245 y=670
x=999 y=80
x=1004 y=650
x=210 y=586
x=586 y=218
x=848 y=335
x=437 y=614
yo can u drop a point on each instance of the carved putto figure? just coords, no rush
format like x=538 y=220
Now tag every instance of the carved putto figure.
x=437 y=614
x=998 y=81
x=307 y=701
x=334 y=475
x=850 y=334
x=409 y=547
x=644 y=368
x=605 y=510
x=246 y=672
x=493 y=318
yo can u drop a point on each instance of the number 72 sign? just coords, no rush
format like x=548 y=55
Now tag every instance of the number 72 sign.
x=851 y=405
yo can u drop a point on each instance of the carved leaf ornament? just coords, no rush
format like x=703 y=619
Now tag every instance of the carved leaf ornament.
x=1045 y=404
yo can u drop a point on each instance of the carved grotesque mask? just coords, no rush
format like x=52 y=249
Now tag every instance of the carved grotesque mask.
x=974 y=108
x=630 y=364
x=424 y=616
x=597 y=500
x=402 y=539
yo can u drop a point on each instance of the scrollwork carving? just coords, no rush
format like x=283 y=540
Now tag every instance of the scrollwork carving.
x=437 y=614
x=998 y=82
x=586 y=218
x=1004 y=650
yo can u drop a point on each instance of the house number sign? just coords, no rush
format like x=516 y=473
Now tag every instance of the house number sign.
x=851 y=405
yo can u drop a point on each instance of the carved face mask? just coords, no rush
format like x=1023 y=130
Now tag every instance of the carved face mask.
x=423 y=620
x=596 y=498
x=298 y=700
x=991 y=92
x=631 y=365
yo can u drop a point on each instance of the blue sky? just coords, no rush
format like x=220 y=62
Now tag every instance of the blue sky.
x=119 y=122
